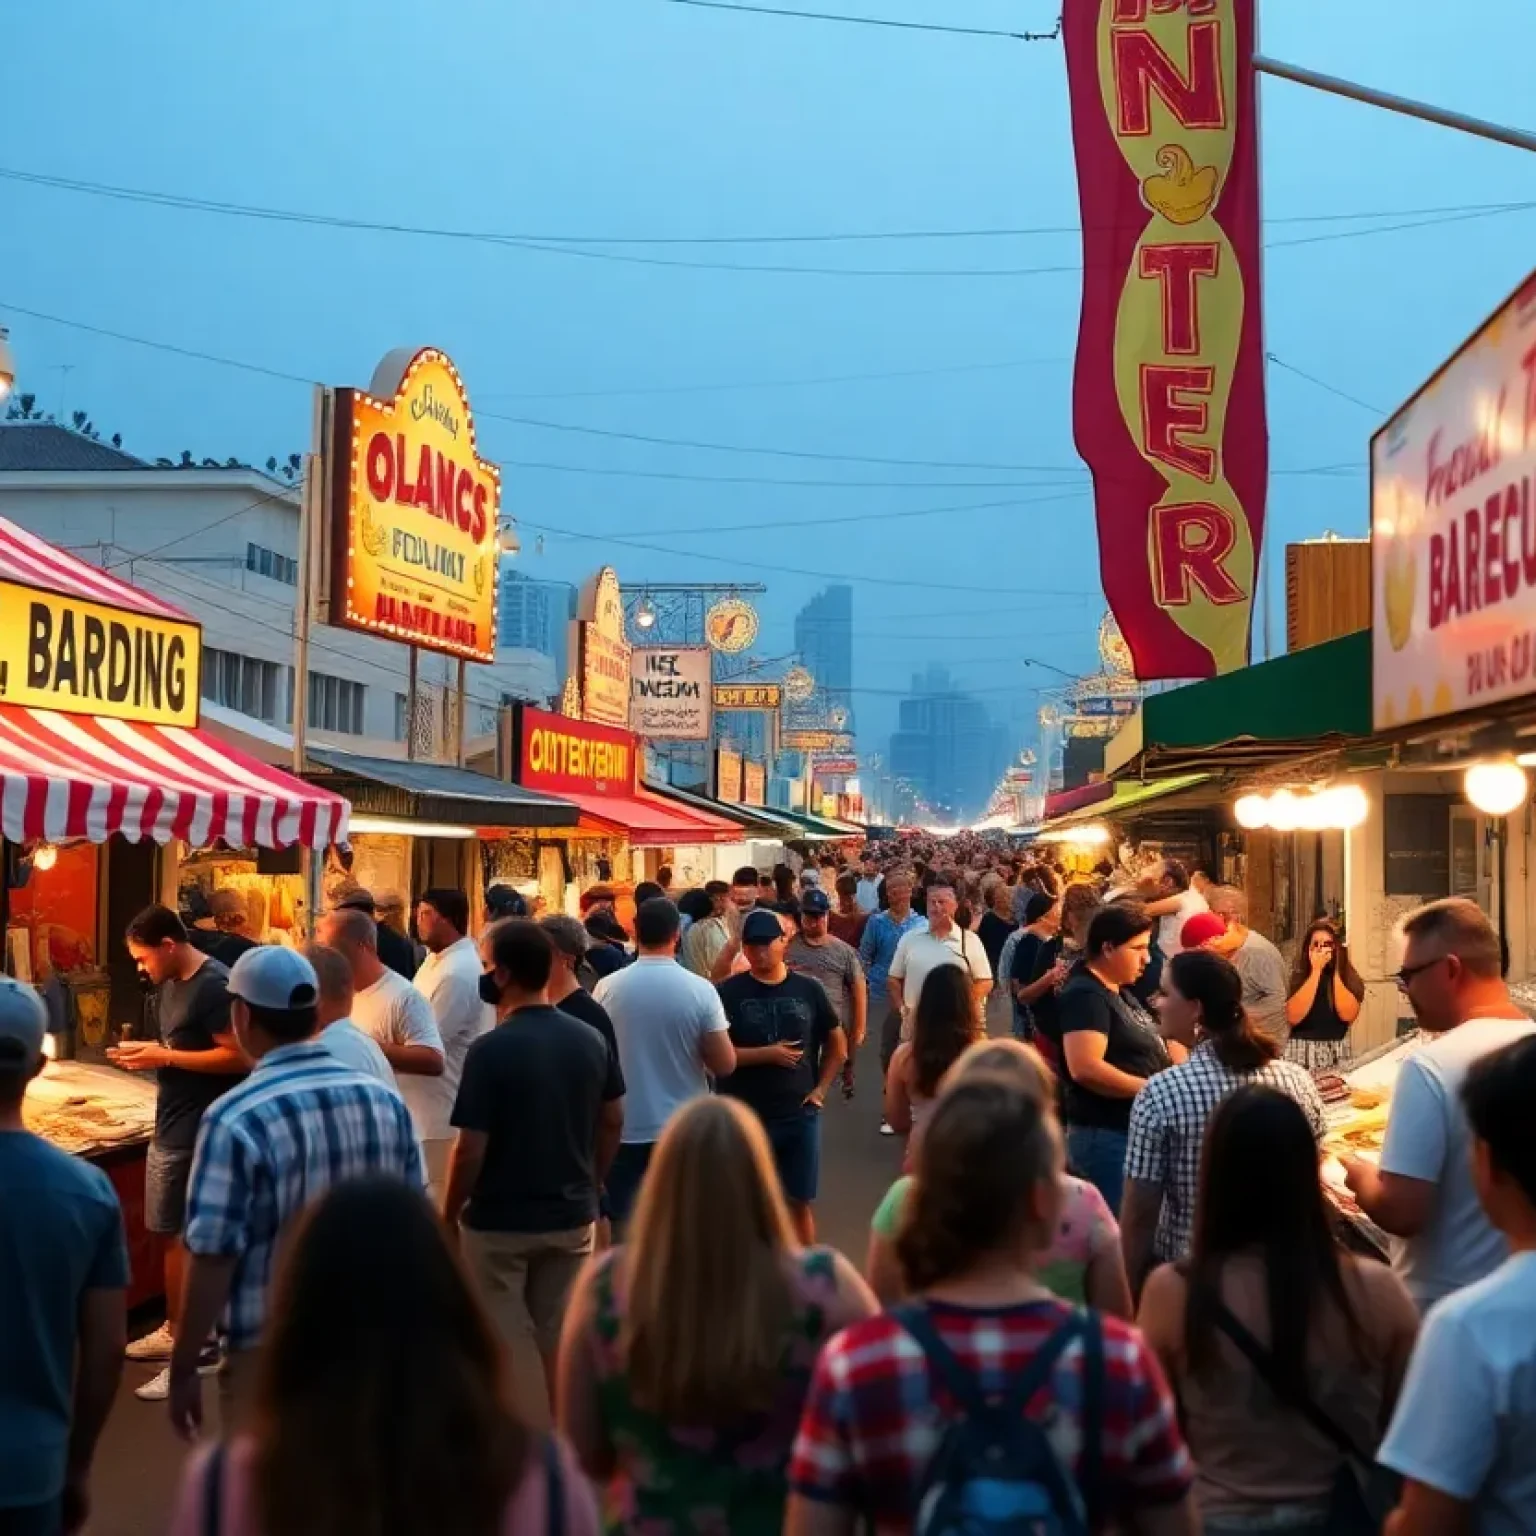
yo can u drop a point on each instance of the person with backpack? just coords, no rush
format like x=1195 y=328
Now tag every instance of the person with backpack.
x=1286 y=1352
x=986 y=1405
x=688 y=1350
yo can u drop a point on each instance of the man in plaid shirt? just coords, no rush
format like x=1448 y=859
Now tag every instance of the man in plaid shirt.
x=300 y=1123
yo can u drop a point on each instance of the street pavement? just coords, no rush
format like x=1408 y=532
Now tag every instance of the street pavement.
x=139 y=1461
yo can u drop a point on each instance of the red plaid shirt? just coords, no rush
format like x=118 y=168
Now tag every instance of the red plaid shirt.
x=875 y=1414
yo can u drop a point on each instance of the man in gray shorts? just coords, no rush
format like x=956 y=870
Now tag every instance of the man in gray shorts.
x=196 y=1060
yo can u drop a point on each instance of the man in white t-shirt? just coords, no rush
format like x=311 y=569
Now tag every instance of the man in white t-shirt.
x=387 y=1008
x=1423 y=1192
x=671 y=1031
x=1166 y=892
x=351 y=1046
x=942 y=942
x=1464 y=1433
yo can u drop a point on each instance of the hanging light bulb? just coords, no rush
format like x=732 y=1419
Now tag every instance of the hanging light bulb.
x=44 y=856
x=1252 y=812
x=1498 y=788
x=506 y=537
x=645 y=613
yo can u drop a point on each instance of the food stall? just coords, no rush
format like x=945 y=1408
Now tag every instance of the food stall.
x=104 y=776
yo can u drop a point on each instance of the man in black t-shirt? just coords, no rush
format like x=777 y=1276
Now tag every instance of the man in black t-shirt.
x=789 y=1050
x=196 y=1060
x=539 y=1113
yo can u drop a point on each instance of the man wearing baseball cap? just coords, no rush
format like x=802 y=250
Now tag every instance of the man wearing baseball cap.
x=64 y=1275
x=1225 y=930
x=394 y=948
x=815 y=951
x=789 y=1050
x=300 y=1123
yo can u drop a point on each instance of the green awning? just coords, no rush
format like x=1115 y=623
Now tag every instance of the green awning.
x=1128 y=796
x=1319 y=696
x=819 y=826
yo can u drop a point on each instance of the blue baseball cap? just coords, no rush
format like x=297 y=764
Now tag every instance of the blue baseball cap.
x=761 y=928
x=815 y=902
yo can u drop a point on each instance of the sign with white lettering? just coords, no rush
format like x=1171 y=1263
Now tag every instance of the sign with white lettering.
x=1453 y=531
x=85 y=658
x=669 y=693
x=414 y=507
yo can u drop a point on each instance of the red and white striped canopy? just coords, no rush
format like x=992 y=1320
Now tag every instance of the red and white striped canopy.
x=36 y=563
x=82 y=776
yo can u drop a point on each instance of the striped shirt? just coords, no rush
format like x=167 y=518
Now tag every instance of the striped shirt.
x=1168 y=1120
x=298 y=1124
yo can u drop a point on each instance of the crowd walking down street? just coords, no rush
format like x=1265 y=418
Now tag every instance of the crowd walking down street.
x=672 y=1256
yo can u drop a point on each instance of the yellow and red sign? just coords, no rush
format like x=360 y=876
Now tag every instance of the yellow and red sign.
x=1169 y=391
x=414 y=554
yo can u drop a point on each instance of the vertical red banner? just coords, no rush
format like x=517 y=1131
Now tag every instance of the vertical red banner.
x=1168 y=397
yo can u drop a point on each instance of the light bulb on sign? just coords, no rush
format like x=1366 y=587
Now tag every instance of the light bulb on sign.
x=1496 y=789
x=1252 y=812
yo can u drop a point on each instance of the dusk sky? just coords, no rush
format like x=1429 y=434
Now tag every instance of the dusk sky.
x=646 y=119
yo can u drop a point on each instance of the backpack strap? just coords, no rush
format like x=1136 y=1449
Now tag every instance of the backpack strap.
x=1091 y=1463
x=213 y=1492
x=1264 y=1363
x=554 y=1487
x=961 y=1384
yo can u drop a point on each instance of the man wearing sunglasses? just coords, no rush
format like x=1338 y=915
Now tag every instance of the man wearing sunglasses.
x=1423 y=1191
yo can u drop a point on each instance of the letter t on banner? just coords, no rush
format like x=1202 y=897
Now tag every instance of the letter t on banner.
x=1168 y=397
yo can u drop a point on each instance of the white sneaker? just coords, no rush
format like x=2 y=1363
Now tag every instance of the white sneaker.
x=156 y=1389
x=886 y=1128
x=153 y=1346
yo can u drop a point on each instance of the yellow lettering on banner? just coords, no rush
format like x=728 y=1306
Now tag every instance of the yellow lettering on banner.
x=554 y=752
x=86 y=658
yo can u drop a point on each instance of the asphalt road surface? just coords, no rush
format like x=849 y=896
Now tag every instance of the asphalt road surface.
x=139 y=1461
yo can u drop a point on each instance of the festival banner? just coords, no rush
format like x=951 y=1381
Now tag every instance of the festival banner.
x=1168 y=398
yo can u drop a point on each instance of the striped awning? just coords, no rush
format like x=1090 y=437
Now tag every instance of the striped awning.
x=82 y=776
x=35 y=563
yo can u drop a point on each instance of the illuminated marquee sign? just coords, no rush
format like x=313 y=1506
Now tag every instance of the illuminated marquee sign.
x=1169 y=390
x=557 y=754
x=414 y=509
x=748 y=696
x=85 y=658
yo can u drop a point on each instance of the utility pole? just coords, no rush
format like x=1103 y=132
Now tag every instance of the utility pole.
x=1516 y=138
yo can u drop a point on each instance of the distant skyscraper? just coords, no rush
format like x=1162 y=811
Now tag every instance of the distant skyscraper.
x=824 y=639
x=947 y=746
x=533 y=615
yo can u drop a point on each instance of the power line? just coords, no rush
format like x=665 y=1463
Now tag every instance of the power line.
x=1322 y=384
x=573 y=245
x=261 y=501
x=872 y=21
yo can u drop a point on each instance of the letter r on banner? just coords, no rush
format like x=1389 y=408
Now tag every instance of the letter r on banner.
x=1190 y=543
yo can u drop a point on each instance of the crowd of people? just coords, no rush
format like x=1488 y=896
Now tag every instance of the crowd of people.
x=1107 y=1291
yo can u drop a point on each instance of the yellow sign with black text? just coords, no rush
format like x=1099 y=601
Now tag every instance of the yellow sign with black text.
x=85 y=658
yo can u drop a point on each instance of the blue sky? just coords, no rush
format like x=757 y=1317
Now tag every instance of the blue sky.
x=644 y=118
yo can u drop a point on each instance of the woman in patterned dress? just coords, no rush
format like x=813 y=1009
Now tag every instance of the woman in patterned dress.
x=1326 y=993
x=687 y=1353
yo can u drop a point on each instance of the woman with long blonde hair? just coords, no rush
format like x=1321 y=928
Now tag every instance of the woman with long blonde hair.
x=687 y=1353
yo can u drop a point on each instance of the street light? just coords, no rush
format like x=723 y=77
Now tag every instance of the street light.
x=506 y=537
x=645 y=614
x=7 y=363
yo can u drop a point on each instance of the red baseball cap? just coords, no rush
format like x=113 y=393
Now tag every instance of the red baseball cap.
x=1201 y=929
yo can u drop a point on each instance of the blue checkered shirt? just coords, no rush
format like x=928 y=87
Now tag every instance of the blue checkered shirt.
x=298 y=1124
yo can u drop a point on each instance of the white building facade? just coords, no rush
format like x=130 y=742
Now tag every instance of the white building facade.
x=222 y=544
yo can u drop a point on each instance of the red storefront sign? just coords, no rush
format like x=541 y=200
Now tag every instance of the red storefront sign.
x=1168 y=400
x=564 y=756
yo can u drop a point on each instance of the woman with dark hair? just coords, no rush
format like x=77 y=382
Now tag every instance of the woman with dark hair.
x=1200 y=1009
x=1110 y=1045
x=1057 y=958
x=1270 y=1327
x=784 y=887
x=943 y=1026
x=1025 y=975
x=383 y=1402
x=1326 y=994
x=996 y=923
x=981 y=1213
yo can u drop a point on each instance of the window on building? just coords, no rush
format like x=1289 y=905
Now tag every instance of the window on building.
x=335 y=704
x=267 y=562
x=242 y=683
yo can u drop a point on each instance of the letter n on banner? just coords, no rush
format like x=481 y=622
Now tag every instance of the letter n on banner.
x=1168 y=395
